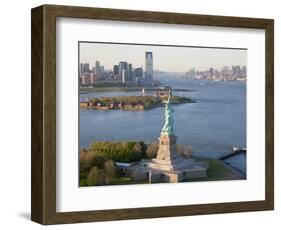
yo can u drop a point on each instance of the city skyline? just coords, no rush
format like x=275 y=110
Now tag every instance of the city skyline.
x=165 y=58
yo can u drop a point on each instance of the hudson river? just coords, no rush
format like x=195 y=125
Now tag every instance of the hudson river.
x=212 y=125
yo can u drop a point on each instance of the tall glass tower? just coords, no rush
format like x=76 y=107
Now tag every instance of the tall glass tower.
x=148 y=67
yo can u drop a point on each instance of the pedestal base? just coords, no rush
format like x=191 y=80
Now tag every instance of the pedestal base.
x=156 y=171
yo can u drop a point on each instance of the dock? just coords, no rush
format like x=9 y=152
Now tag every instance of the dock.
x=235 y=151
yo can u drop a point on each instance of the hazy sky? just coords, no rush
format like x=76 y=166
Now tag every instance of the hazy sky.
x=165 y=58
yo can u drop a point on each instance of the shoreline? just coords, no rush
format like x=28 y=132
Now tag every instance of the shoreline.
x=103 y=108
x=131 y=103
x=128 y=89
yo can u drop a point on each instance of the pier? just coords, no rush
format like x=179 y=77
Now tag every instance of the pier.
x=235 y=159
x=235 y=151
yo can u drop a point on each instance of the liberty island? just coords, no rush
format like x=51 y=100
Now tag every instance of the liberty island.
x=168 y=166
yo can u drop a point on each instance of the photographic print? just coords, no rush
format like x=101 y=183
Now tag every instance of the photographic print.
x=173 y=106
x=161 y=114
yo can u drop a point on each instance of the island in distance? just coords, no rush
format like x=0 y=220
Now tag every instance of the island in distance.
x=135 y=103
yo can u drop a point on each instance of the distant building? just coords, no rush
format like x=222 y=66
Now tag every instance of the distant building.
x=236 y=70
x=85 y=68
x=98 y=70
x=130 y=72
x=225 y=71
x=148 y=67
x=138 y=75
x=192 y=73
x=124 y=76
x=102 y=69
x=82 y=80
x=244 y=71
x=122 y=66
x=81 y=69
x=115 y=70
x=85 y=79
x=93 y=78
x=138 y=72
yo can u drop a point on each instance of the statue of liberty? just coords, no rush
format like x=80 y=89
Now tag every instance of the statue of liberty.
x=168 y=127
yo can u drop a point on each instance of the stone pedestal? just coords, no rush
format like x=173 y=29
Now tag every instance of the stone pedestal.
x=167 y=151
x=168 y=166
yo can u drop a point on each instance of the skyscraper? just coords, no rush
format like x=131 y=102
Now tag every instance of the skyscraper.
x=148 y=67
x=115 y=69
x=130 y=72
x=236 y=70
x=85 y=68
x=124 y=76
x=138 y=72
x=122 y=65
x=98 y=70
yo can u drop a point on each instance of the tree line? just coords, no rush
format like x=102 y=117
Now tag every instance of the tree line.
x=97 y=163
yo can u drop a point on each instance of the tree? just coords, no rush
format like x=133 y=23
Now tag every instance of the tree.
x=95 y=177
x=151 y=150
x=138 y=150
x=95 y=101
x=109 y=171
x=118 y=151
x=85 y=158
x=98 y=160
x=185 y=152
x=188 y=152
x=180 y=150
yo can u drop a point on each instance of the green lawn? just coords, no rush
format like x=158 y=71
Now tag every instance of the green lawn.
x=122 y=180
x=118 y=180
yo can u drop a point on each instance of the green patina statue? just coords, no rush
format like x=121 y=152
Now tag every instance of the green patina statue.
x=168 y=127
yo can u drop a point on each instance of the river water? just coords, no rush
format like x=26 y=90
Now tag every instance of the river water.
x=212 y=125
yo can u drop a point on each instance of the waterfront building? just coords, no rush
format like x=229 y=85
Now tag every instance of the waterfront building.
x=138 y=72
x=191 y=73
x=148 y=67
x=115 y=70
x=93 y=78
x=130 y=72
x=236 y=70
x=138 y=76
x=225 y=71
x=85 y=79
x=122 y=66
x=97 y=70
x=124 y=76
x=85 y=68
